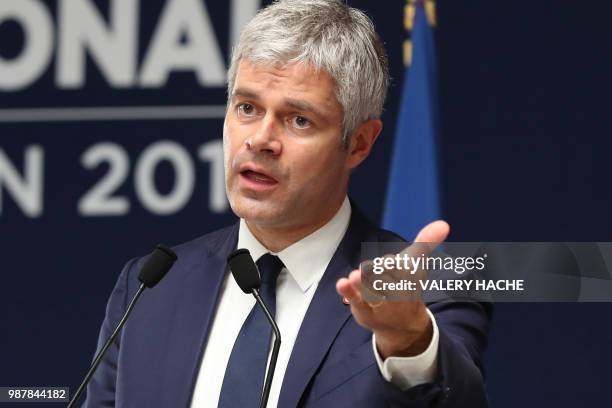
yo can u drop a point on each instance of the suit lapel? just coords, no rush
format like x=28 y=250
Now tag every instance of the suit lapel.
x=194 y=315
x=325 y=316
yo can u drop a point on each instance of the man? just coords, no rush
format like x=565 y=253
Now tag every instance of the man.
x=307 y=83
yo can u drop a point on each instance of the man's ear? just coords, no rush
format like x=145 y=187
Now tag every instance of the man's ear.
x=362 y=141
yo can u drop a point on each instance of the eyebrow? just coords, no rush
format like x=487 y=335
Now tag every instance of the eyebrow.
x=293 y=103
x=245 y=93
x=304 y=106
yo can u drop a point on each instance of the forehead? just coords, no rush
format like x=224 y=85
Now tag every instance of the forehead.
x=293 y=80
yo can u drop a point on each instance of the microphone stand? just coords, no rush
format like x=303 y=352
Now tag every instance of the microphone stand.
x=155 y=268
x=275 y=349
x=102 y=351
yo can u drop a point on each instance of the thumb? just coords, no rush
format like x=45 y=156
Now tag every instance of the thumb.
x=434 y=232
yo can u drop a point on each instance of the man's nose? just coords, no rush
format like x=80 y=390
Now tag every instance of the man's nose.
x=266 y=138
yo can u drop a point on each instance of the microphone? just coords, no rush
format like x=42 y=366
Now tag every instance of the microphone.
x=247 y=277
x=154 y=269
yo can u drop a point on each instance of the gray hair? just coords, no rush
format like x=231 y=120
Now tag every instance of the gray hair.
x=325 y=34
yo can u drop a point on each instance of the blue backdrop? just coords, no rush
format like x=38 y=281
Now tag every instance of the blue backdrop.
x=523 y=156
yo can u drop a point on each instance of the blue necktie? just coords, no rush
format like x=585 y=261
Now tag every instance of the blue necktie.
x=246 y=369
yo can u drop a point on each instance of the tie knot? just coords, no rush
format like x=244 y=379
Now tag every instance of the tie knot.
x=269 y=267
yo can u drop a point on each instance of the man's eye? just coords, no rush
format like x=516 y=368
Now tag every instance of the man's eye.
x=246 y=109
x=300 y=122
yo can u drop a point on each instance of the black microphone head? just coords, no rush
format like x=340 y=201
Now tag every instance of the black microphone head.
x=157 y=265
x=244 y=270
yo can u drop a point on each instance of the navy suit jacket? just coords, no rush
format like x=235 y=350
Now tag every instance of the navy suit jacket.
x=155 y=361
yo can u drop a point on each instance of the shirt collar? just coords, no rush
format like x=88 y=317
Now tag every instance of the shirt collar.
x=306 y=259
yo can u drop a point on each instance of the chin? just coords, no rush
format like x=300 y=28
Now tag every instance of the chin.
x=255 y=211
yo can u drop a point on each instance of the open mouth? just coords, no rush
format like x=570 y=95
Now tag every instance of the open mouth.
x=258 y=178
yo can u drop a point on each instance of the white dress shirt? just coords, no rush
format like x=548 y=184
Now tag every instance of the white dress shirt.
x=305 y=262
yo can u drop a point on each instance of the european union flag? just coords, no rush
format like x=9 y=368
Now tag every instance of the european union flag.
x=412 y=193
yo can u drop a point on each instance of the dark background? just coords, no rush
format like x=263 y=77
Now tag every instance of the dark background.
x=524 y=147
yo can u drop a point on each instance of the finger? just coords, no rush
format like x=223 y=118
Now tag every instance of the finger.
x=350 y=288
x=364 y=293
x=346 y=290
x=355 y=279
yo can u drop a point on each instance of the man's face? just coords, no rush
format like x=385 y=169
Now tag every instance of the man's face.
x=284 y=161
